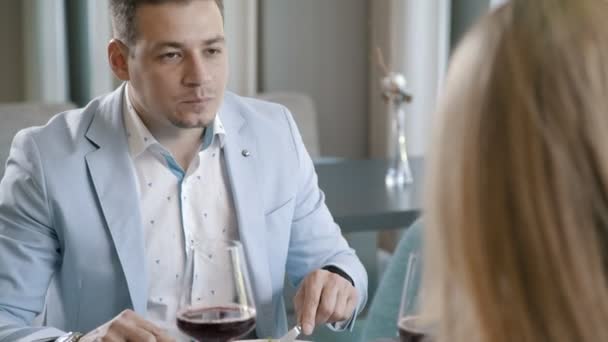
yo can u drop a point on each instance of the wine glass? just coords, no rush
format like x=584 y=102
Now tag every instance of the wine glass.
x=410 y=324
x=222 y=313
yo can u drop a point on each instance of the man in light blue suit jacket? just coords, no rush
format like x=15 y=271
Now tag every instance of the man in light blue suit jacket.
x=70 y=223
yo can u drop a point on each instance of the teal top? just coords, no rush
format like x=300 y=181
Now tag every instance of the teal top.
x=381 y=321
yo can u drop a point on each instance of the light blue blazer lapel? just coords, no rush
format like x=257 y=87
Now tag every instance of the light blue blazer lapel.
x=112 y=174
x=240 y=153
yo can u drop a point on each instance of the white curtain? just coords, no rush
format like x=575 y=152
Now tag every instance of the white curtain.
x=414 y=37
x=50 y=59
x=45 y=51
x=48 y=53
x=241 y=22
x=99 y=34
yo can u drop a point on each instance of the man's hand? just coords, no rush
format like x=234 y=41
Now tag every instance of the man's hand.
x=324 y=297
x=127 y=326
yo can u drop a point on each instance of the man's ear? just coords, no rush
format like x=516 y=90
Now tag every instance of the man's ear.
x=118 y=55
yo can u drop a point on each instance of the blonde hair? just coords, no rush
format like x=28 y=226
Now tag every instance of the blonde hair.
x=517 y=201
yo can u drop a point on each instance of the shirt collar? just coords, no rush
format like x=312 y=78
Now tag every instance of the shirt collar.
x=140 y=139
x=214 y=131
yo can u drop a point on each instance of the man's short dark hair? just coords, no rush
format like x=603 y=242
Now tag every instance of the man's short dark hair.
x=123 y=16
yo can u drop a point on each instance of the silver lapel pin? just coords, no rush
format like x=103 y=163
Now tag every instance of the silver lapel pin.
x=245 y=153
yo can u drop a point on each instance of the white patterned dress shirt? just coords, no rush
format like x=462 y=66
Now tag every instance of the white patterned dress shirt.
x=178 y=208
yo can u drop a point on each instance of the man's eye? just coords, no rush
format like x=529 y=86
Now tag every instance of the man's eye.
x=169 y=56
x=213 y=51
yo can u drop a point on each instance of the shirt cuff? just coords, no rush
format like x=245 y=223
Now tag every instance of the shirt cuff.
x=338 y=271
x=340 y=326
x=45 y=334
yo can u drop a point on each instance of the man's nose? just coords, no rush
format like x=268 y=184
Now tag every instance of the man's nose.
x=196 y=72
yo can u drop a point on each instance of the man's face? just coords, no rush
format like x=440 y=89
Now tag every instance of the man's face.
x=178 y=66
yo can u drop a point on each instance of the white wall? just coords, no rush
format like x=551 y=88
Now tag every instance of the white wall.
x=320 y=47
x=11 y=58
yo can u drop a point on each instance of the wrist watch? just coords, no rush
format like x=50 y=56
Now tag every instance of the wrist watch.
x=69 y=337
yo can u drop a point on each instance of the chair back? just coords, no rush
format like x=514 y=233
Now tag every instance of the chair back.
x=304 y=112
x=20 y=115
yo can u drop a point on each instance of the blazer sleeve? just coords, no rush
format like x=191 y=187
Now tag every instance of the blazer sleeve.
x=316 y=240
x=29 y=249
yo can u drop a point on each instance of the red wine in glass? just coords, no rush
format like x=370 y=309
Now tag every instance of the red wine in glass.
x=217 y=323
x=409 y=330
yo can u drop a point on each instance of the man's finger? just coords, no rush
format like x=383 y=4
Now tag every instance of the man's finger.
x=150 y=327
x=120 y=327
x=327 y=302
x=312 y=293
x=133 y=327
x=119 y=330
x=139 y=334
x=113 y=337
x=340 y=310
x=351 y=305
